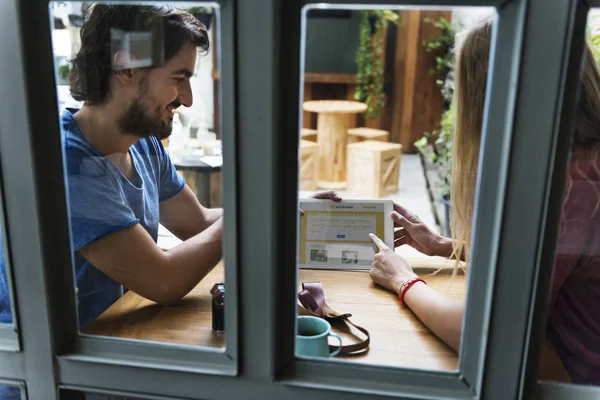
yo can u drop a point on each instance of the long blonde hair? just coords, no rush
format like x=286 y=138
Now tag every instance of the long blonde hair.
x=473 y=49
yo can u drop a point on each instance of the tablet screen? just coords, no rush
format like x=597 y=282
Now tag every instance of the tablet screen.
x=335 y=235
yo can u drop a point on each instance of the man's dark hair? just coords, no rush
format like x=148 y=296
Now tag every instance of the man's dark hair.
x=168 y=30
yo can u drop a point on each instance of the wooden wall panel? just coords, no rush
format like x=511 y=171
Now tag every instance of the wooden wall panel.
x=417 y=103
x=399 y=80
x=413 y=25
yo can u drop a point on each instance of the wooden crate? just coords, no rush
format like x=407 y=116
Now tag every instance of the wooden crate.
x=362 y=134
x=309 y=165
x=308 y=134
x=373 y=168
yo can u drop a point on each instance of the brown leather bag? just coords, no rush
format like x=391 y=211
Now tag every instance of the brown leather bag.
x=312 y=302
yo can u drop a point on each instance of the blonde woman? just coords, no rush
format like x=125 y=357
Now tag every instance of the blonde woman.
x=574 y=306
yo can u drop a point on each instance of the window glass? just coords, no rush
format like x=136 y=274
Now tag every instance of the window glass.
x=138 y=95
x=392 y=106
x=10 y=392
x=571 y=349
x=6 y=314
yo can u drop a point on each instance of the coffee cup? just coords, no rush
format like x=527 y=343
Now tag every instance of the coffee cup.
x=312 y=337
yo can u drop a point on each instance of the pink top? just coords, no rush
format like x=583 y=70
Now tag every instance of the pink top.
x=574 y=313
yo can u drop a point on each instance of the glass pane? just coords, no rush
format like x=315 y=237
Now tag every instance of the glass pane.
x=571 y=351
x=381 y=106
x=137 y=87
x=6 y=299
x=10 y=391
x=6 y=314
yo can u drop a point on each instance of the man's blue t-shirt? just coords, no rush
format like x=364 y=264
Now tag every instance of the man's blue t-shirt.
x=101 y=201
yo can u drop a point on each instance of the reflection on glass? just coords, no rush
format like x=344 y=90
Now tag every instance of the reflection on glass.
x=378 y=86
x=136 y=111
x=572 y=348
x=6 y=316
x=9 y=392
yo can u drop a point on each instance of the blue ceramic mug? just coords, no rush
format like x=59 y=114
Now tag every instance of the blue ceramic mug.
x=312 y=335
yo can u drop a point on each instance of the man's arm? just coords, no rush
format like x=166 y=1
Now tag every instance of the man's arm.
x=183 y=214
x=131 y=257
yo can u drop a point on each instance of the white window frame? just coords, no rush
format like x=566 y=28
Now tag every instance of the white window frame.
x=261 y=88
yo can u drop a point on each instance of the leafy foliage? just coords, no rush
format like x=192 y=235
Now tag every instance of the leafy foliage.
x=198 y=10
x=441 y=46
x=436 y=146
x=63 y=71
x=370 y=59
x=594 y=41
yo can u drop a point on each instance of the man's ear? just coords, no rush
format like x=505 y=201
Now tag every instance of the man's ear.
x=122 y=68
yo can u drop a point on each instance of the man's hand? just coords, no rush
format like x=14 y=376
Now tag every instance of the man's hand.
x=331 y=195
x=416 y=234
x=389 y=269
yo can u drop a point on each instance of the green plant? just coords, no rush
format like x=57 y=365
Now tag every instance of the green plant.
x=63 y=71
x=370 y=59
x=198 y=10
x=594 y=41
x=441 y=45
x=436 y=146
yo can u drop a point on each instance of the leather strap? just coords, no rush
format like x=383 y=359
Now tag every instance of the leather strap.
x=313 y=302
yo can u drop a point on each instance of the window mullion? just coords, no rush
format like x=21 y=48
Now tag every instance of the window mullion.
x=31 y=157
x=540 y=88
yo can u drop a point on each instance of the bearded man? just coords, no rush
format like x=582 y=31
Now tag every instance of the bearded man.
x=131 y=73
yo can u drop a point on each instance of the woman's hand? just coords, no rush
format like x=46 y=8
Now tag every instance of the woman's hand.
x=442 y=315
x=416 y=234
x=331 y=195
x=389 y=269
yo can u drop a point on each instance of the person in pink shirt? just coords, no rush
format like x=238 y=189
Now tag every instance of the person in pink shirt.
x=574 y=306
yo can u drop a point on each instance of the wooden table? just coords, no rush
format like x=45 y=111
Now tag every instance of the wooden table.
x=333 y=121
x=398 y=338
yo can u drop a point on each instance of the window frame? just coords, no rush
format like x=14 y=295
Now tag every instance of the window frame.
x=205 y=360
x=259 y=358
x=506 y=353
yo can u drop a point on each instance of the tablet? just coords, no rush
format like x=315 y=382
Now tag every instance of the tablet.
x=335 y=235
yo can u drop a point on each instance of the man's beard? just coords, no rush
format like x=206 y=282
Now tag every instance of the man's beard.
x=143 y=121
x=139 y=121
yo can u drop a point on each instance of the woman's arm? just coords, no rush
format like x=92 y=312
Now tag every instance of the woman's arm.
x=440 y=314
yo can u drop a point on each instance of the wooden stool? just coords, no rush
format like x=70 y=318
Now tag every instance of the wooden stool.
x=308 y=134
x=309 y=165
x=362 y=134
x=373 y=168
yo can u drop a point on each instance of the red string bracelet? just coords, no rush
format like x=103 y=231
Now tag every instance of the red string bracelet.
x=406 y=285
